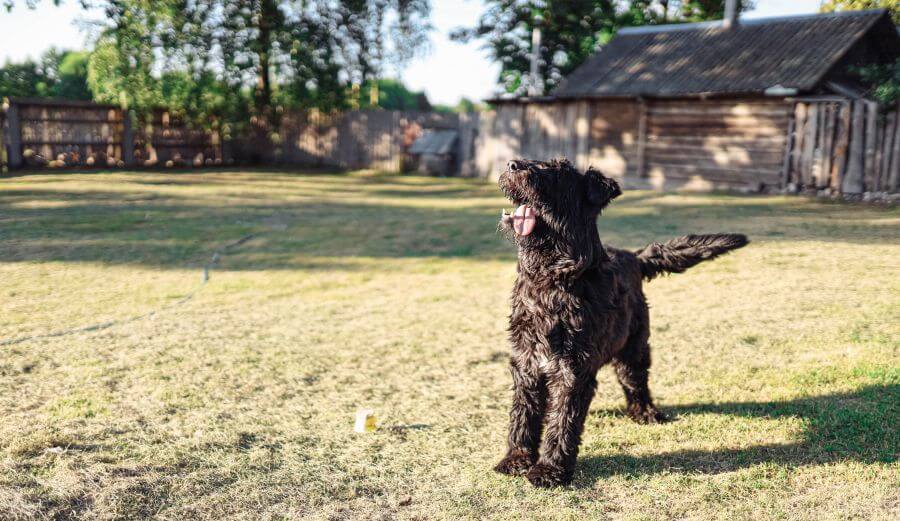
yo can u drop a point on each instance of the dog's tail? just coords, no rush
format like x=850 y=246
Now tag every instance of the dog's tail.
x=679 y=254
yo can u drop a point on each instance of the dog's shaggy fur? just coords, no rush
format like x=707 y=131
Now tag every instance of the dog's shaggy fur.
x=576 y=306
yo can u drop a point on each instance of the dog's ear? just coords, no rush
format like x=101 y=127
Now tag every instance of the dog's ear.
x=601 y=189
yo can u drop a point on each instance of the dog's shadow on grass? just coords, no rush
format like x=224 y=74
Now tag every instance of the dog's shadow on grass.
x=860 y=426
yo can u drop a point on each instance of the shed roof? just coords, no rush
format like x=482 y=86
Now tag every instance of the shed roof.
x=436 y=142
x=706 y=58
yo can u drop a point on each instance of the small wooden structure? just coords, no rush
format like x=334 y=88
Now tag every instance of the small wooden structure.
x=435 y=152
x=759 y=103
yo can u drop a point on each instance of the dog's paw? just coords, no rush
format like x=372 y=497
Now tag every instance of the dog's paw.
x=546 y=476
x=516 y=463
x=648 y=416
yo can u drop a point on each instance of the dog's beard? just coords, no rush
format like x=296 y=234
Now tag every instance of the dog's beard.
x=505 y=230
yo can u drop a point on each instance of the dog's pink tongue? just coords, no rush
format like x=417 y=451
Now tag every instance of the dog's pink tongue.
x=524 y=220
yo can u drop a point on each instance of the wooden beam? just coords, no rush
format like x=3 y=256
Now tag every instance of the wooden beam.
x=840 y=150
x=887 y=145
x=786 y=160
x=853 y=178
x=797 y=151
x=894 y=172
x=127 y=139
x=809 y=147
x=15 y=136
x=828 y=144
x=871 y=134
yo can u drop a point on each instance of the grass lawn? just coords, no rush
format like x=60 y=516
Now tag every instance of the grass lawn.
x=779 y=361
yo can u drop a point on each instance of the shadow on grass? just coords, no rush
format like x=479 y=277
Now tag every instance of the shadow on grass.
x=175 y=230
x=860 y=426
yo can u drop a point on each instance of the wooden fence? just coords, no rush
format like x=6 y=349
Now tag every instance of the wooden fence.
x=375 y=139
x=56 y=134
x=844 y=146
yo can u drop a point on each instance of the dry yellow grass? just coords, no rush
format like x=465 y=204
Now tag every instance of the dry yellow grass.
x=780 y=361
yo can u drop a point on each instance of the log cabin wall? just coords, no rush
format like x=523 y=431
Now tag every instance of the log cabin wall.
x=715 y=144
x=805 y=144
x=614 y=143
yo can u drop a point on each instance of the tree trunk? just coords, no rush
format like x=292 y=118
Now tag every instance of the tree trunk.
x=265 y=20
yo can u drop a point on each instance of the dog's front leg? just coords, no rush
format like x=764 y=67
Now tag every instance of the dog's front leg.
x=570 y=392
x=525 y=419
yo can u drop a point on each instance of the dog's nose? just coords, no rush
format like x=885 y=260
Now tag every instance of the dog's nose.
x=513 y=166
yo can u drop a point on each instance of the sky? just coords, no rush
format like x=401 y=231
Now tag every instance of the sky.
x=446 y=72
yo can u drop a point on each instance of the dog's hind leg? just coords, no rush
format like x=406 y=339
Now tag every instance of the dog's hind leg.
x=525 y=420
x=632 y=366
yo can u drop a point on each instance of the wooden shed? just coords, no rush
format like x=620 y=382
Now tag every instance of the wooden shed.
x=724 y=104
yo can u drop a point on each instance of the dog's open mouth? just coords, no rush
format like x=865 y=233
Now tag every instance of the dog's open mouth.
x=522 y=219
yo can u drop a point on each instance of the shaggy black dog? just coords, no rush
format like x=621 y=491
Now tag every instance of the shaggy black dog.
x=576 y=306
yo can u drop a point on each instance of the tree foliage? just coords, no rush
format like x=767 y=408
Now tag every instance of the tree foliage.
x=392 y=95
x=885 y=81
x=571 y=31
x=829 y=6
x=245 y=60
x=58 y=74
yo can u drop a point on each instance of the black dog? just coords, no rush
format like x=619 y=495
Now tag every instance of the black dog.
x=576 y=305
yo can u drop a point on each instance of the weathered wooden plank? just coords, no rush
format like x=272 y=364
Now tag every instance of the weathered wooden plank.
x=818 y=150
x=887 y=143
x=839 y=165
x=807 y=155
x=853 y=178
x=754 y=112
x=722 y=157
x=880 y=132
x=828 y=145
x=4 y=162
x=719 y=120
x=15 y=136
x=894 y=173
x=871 y=140
x=771 y=173
x=689 y=130
x=786 y=153
x=800 y=115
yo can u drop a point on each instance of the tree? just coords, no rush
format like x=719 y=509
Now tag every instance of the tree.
x=571 y=31
x=58 y=74
x=884 y=80
x=856 y=5
x=392 y=95
x=244 y=60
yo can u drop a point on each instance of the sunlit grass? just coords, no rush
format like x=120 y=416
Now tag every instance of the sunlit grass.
x=779 y=361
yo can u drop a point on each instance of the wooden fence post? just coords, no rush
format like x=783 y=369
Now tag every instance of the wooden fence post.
x=796 y=168
x=871 y=133
x=887 y=143
x=127 y=139
x=893 y=177
x=3 y=158
x=15 y=136
x=840 y=147
x=853 y=178
x=788 y=152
